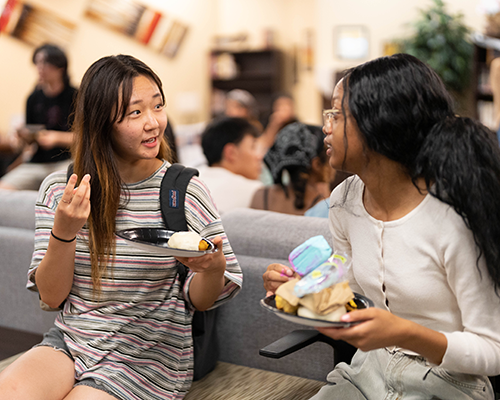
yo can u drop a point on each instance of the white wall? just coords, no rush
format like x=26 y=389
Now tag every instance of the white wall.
x=187 y=74
x=385 y=20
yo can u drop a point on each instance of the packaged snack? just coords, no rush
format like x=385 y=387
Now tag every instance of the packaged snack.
x=309 y=255
x=327 y=274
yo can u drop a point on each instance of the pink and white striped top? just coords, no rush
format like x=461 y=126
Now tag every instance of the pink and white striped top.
x=136 y=338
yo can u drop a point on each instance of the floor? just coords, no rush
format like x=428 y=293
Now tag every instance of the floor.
x=226 y=382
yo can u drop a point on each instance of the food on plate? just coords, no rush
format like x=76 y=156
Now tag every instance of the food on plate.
x=322 y=292
x=187 y=241
x=307 y=256
x=285 y=299
x=334 y=316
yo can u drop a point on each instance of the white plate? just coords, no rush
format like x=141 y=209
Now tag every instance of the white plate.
x=269 y=304
x=155 y=241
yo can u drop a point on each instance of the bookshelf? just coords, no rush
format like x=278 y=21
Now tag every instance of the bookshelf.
x=35 y=25
x=481 y=86
x=258 y=72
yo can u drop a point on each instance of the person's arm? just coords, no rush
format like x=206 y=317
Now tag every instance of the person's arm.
x=208 y=280
x=48 y=139
x=54 y=275
x=258 y=199
x=213 y=278
x=380 y=328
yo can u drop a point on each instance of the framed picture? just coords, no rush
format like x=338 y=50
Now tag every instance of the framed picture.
x=351 y=42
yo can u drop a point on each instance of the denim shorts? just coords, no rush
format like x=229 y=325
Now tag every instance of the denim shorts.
x=54 y=338
x=389 y=374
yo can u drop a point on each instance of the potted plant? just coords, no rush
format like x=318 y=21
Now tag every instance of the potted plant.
x=442 y=41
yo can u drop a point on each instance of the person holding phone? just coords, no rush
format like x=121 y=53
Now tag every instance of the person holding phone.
x=420 y=220
x=46 y=137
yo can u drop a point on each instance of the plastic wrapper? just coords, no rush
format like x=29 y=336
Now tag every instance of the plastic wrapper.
x=326 y=275
x=309 y=255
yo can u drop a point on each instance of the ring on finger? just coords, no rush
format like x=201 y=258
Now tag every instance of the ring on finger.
x=66 y=201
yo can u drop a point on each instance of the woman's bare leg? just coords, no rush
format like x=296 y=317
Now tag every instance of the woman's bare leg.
x=42 y=373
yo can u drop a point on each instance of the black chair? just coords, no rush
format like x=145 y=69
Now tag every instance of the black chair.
x=342 y=351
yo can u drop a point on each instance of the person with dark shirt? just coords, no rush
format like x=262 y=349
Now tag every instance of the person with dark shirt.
x=48 y=122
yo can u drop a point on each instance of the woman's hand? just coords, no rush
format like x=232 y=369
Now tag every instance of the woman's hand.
x=275 y=276
x=208 y=282
x=73 y=209
x=380 y=328
x=54 y=276
x=211 y=263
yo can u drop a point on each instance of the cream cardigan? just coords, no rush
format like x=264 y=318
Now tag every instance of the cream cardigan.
x=426 y=261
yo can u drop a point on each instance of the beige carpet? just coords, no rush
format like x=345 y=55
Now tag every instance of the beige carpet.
x=235 y=382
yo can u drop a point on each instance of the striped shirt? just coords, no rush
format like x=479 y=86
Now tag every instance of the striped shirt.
x=136 y=337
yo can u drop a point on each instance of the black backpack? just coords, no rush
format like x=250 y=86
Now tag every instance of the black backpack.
x=172 y=196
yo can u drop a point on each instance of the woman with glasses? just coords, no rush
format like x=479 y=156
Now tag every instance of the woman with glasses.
x=421 y=221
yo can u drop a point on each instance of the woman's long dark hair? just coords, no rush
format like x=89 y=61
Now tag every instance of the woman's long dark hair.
x=102 y=100
x=404 y=112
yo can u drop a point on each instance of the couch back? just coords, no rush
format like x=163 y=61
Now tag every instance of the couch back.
x=19 y=308
x=17 y=208
x=258 y=239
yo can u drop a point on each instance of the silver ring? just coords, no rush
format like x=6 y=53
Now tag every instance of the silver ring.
x=66 y=201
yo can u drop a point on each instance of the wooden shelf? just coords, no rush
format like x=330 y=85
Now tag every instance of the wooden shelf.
x=483 y=96
x=258 y=72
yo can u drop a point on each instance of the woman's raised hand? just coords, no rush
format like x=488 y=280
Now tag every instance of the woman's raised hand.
x=275 y=276
x=73 y=209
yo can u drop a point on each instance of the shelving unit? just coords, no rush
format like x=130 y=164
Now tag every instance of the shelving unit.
x=258 y=72
x=483 y=95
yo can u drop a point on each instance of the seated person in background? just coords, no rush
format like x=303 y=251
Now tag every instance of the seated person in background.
x=234 y=162
x=8 y=153
x=242 y=104
x=322 y=208
x=282 y=114
x=50 y=105
x=300 y=151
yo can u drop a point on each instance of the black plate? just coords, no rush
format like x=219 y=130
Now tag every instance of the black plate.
x=269 y=304
x=156 y=240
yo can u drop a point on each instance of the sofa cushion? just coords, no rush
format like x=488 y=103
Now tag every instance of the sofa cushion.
x=258 y=239
x=270 y=234
x=17 y=208
x=19 y=307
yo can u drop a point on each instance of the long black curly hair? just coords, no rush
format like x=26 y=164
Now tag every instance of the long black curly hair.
x=404 y=112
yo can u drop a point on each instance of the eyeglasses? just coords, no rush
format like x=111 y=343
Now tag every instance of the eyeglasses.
x=329 y=115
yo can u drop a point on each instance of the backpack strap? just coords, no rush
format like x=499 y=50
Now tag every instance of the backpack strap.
x=172 y=198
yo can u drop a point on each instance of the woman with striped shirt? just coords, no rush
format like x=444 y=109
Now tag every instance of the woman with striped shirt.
x=124 y=331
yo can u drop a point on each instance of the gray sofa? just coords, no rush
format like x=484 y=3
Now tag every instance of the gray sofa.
x=258 y=239
x=19 y=307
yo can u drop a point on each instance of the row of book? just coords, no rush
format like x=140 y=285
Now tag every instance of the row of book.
x=35 y=25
